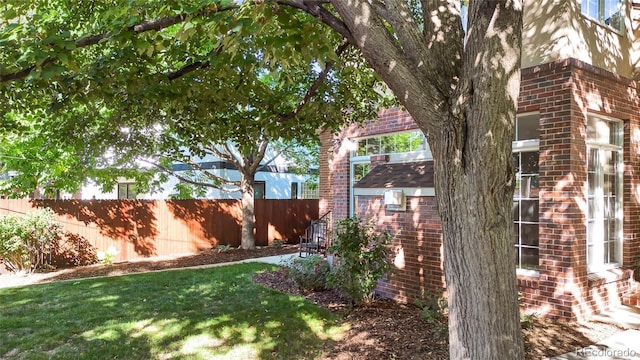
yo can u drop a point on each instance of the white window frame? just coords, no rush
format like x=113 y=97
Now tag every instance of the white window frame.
x=354 y=159
x=600 y=19
x=408 y=156
x=360 y=160
x=598 y=228
x=520 y=146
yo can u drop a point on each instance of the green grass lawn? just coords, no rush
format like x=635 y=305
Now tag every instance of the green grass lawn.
x=216 y=313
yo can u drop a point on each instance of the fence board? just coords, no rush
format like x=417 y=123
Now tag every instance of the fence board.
x=142 y=228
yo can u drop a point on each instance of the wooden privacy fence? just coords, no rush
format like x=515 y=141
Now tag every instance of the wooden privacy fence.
x=142 y=228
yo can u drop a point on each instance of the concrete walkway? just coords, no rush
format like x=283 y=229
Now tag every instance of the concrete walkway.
x=12 y=280
x=277 y=260
x=621 y=346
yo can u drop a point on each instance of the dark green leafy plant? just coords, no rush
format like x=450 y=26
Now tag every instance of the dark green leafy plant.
x=526 y=320
x=309 y=272
x=362 y=258
x=434 y=309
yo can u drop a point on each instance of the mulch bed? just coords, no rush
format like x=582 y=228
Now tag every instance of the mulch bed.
x=381 y=330
x=385 y=329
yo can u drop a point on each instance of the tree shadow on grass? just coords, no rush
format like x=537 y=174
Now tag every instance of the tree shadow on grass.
x=192 y=313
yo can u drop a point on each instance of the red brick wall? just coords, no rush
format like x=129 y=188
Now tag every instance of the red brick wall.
x=335 y=152
x=601 y=92
x=325 y=172
x=416 y=247
x=562 y=93
x=547 y=89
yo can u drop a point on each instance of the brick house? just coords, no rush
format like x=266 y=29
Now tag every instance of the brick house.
x=576 y=150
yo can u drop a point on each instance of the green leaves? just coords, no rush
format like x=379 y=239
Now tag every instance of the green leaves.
x=363 y=258
x=241 y=72
x=26 y=241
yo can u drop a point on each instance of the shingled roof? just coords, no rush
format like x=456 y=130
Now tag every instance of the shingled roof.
x=417 y=174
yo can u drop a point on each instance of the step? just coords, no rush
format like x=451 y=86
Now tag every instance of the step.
x=631 y=299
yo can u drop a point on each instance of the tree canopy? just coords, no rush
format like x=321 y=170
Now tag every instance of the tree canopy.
x=108 y=86
x=461 y=88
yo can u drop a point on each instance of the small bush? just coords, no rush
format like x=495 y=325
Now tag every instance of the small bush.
x=362 y=253
x=11 y=248
x=109 y=256
x=434 y=309
x=26 y=241
x=526 y=320
x=222 y=248
x=277 y=243
x=309 y=272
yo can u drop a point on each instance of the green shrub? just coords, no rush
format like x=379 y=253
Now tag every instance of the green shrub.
x=434 y=309
x=527 y=321
x=26 y=241
x=308 y=272
x=222 y=248
x=361 y=259
x=11 y=248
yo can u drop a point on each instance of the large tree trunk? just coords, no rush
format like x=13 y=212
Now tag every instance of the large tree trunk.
x=464 y=98
x=475 y=184
x=248 y=240
x=475 y=193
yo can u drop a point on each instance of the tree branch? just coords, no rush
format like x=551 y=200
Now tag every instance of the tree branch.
x=311 y=92
x=381 y=9
x=218 y=153
x=444 y=36
x=275 y=157
x=398 y=14
x=145 y=26
x=187 y=69
x=239 y=163
x=262 y=148
x=208 y=174
x=24 y=73
x=417 y=92
x=193 y=66
x=197 y=183
x=314 y=8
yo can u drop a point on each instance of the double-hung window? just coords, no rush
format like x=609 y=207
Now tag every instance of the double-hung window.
x=606 y=12
x=604 y=193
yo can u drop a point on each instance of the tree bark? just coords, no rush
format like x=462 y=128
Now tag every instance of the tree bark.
x=474 y=198
x=463 y=97
x=248 y=240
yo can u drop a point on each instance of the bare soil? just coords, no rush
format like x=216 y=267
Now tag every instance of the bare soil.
x=381 y=330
